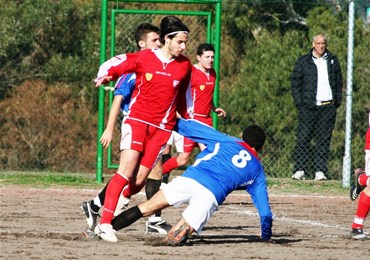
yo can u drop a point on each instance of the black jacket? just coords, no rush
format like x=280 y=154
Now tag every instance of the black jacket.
x=304 y=80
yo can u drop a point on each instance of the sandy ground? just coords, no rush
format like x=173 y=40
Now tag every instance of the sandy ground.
x=47 y=224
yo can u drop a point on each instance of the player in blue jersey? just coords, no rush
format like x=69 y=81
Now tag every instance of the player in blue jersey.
x=224 y=165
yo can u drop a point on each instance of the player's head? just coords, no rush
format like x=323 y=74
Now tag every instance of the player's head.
x=206 y=55
x=254 y=136
x=319 y=44
x=147 y=36
x=174 y=35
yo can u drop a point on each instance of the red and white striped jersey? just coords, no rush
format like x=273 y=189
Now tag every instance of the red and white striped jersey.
x=199 y=95
x=159 y=83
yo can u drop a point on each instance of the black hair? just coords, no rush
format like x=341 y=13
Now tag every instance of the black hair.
x=205 y=47
x=254 y=136
x=170 y=24
x=142 y=30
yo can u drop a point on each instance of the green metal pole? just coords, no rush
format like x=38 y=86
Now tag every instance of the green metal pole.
x=346 y=179
x=103 y=47
x=110 y=97
x=217 y=44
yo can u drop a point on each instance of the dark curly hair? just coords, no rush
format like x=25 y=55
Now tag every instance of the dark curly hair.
x=254 y=136
x=170 y=24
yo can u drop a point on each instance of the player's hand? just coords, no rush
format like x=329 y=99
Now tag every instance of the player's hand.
x=264 y=239
x=220 y=112
x=102 y=80
x=106 y=138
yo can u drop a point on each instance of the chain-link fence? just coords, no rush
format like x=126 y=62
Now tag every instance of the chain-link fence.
x=275 y=34
x=261 y=42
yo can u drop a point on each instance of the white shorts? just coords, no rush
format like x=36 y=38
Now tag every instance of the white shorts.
x=201 y=202
x=124 y=116
x=177 y=140
x=181 y=143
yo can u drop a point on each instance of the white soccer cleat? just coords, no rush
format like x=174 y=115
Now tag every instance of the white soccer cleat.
x=122 y=205
x=157 y=225
x=320 y=176
x=299 y=175
x=106 y=232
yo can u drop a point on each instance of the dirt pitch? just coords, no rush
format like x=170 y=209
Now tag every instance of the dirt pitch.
x=47 y=224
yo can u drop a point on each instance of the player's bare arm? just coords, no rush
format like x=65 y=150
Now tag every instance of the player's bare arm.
x=107 y=135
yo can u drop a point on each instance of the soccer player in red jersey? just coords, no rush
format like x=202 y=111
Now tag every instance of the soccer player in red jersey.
x=361 y=188
x=199 y=103
x=162 y=75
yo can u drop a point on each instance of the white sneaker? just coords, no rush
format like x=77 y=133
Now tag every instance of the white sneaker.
x=122 y=205
x=154 y=219
x=106 y=232
x=299 y=175
x=160 y=227
x=320 y=176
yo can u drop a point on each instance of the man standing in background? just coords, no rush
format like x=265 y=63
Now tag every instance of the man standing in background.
x=316 y=85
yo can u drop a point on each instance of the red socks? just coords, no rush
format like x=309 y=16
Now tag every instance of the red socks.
x=170 y=165
x=363 y=208
x=115 y=186
x=131 y=189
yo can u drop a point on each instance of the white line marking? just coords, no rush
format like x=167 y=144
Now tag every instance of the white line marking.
x=305 y=222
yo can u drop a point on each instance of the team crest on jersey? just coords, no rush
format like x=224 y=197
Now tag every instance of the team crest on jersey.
x=175 y=83
x=148 y=76
x=201 y=87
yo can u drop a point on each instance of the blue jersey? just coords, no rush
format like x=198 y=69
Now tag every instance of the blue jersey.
x=125 y=86
x=224 y=165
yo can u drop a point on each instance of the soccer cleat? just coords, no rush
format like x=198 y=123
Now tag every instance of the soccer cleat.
x=90 y=215
x=356 y=188
x=357 y=233
x=122 y=205
x=106 y=232
x=160 y=227
x=320 y=176
x=299 y=175
x=90 y=234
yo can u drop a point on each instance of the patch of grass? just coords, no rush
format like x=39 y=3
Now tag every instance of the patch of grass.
x=47 y=179
x=284 y=185
x=275 y=185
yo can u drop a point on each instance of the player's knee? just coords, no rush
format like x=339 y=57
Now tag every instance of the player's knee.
x=183 y=160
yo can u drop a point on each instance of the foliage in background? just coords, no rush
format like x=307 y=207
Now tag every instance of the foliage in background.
x=259 y=90
x=46 y=127
x=56 y=41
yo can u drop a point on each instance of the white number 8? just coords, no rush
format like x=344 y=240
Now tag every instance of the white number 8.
x=241 y=160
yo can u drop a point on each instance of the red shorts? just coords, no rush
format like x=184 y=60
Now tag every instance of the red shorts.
x=188 y=145
x=145 y=138
x=206 y=120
